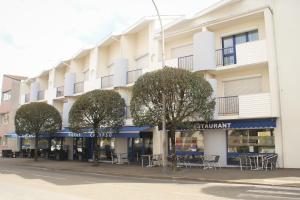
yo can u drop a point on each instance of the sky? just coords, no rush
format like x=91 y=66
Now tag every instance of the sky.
x=37 y=34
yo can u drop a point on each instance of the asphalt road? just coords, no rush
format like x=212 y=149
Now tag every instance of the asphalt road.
x=33 y=183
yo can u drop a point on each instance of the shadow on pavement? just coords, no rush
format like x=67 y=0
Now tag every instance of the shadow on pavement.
x=72 y=172
x=252 y=192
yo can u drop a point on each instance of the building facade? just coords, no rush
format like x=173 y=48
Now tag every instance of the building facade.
x=8 y=107
x=232 y=43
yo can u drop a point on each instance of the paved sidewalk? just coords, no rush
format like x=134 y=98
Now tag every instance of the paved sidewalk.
x=280 y=177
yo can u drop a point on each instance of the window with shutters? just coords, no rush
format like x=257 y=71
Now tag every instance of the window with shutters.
x=251 y=85
x=4 y=119
x=185 y=50
x=6 y=95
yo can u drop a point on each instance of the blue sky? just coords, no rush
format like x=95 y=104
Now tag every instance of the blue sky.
x=36 y=34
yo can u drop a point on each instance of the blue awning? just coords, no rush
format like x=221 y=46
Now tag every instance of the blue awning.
x=11 y=135
x=123 y=132
x=238 y=124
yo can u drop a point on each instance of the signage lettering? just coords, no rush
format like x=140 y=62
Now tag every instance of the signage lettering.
x=213 y=125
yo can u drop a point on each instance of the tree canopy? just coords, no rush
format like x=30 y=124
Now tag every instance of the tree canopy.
x=97 y=109
x=37 y=118
x=187 y=95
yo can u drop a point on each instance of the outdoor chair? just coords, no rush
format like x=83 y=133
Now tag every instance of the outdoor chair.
x=214 y=163
x=156 y=160
x=208 y=161
x=180 y=161
x=114 y=158
x=270 y=162
x=245 y=162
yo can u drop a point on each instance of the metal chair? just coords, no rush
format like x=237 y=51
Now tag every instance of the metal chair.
x=156 y=160
x=245 y=162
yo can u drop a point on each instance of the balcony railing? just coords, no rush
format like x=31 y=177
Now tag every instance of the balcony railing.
x=225 y=56
x=27 y=97
x=133 y=75
x=228 y=105
x=127 y=112
x=41 y=95
x=60 y=91
x=107 y=81
x=78 y=87
x=186 y=62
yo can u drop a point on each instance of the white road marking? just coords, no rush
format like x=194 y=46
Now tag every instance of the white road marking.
x=266 y=196
x=9 y=171
x=274 y=192
x=45 y=176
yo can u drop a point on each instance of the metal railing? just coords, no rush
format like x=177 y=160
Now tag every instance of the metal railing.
x=107 y=81
x=186 y=62
x=27 y=97
x=41 y=95
x=225 y=56
x=127 y=112
x=60 y=91
x=78 y=87
x=228 y=105
x=133 y=75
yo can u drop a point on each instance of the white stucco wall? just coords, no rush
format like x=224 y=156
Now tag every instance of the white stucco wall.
x=215 y=144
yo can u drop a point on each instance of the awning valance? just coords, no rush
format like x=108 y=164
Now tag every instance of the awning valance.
x=237 y=124
x=123 y=132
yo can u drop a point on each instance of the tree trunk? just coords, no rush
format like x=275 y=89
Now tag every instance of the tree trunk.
x=36 y=147
x=173 y=154
x=96 y=149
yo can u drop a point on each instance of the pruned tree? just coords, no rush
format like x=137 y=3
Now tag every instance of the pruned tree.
x=187 y=95
x=97 y=109
x=37 y=118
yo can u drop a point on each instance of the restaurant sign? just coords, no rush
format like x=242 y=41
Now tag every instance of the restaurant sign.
x=212 y=125
x=236 y=124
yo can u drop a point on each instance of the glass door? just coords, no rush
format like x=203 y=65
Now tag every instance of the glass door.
x=228 y=51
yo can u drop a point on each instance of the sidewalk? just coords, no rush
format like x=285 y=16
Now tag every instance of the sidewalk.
x=281 y=177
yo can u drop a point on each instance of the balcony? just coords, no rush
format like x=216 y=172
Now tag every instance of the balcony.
x=228 y=105
x=78 y=87
x=41 y=95
x=185 y=62
x=242 y=54
x=245 y=106
x=60 y=91
x=107 y=81
x=133 y=75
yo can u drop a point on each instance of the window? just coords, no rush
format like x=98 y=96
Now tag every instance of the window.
x=86 y=75
x=185 y=50
x=4 y=119
x=251 y=85
x=229 y=42
x=249 y=141
x=189 y=141
x=6 y=95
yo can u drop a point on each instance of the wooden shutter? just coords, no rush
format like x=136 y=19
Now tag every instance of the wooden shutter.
x=238 y=87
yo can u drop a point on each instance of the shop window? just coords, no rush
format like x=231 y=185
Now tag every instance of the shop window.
x=189 y=141
x=107 y=147
x=249 y=141
x=43 y=143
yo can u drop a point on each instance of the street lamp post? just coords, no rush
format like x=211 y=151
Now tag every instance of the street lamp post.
x=164 y=140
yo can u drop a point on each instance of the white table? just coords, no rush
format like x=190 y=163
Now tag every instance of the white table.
x=256 y=159
x=149 y=160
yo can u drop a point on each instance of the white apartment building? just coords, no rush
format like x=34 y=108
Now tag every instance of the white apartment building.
x=233 y=43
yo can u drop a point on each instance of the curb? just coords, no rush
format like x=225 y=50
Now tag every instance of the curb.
x=179 y=178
